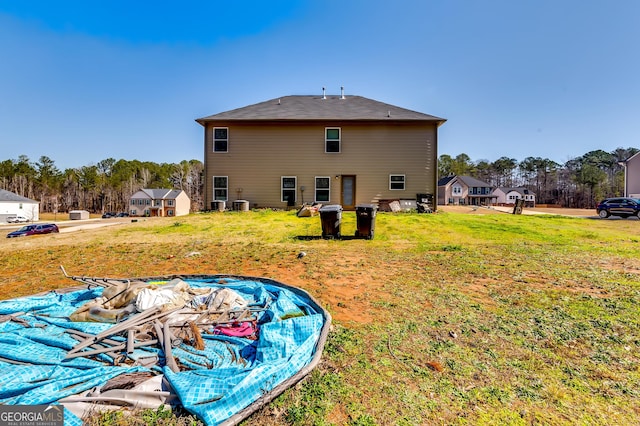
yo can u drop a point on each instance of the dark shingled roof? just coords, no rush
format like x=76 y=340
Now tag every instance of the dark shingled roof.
x=299 y=107
x=473 y=182
x=6 y=196
x=467 y=180
x=160 y=193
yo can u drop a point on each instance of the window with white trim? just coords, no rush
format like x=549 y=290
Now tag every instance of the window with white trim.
x=220 y=139
x=288 y=189
x=396 y=182
x=332 y=140
x=456 y=190
x=323 y=189
x=220 y=188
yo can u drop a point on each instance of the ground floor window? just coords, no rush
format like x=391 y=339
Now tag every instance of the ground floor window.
x=170 y=212
x=221 y=188
x=396 y=182
x=323 y=188
x=288 y=186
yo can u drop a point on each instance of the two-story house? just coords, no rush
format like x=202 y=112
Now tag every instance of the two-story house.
x=464 y=190
x=508 y=196
x=632 y=176
x=325 y=149
x=159 y=202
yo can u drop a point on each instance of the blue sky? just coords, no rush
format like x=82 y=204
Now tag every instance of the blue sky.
x=83 y=81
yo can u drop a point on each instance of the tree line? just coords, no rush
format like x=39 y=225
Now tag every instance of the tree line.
x=105 y=186
x=108 y=185
x=578 y=183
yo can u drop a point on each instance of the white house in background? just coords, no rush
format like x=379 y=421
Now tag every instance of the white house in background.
x=508 y=196
x=160 y=203
x=632 y=176
x=16 y=205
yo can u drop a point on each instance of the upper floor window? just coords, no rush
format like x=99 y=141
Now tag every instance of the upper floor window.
x=396 y=182
x=220 y=139
x=288 y=189
x=170 y=202
x=220 y=188
x=456 y=190
x=322 y=192
x=332 y=139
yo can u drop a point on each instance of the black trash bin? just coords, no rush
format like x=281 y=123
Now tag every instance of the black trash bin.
x=331 y=217
x=366 y=220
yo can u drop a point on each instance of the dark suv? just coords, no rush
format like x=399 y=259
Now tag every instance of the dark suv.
x=623 y=207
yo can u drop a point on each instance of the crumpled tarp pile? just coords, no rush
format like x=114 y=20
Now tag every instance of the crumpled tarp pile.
x=42 y=359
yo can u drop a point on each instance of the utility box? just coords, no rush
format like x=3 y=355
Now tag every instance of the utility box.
x=241 y=206
x=365 y=220
x=218 y=205
x=331 y=218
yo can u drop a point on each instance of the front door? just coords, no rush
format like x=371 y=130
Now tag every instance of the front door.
x=348 y=192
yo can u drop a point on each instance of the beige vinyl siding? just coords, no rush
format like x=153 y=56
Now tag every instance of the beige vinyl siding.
x=633 y=177
x=259 y=155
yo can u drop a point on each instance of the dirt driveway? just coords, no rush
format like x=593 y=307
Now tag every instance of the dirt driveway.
x=536 y=210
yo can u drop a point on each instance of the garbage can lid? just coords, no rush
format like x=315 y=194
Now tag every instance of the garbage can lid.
x=331 y=208
x=366 y=206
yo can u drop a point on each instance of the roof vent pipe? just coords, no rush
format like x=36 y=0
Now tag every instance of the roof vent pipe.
x=324 y=95
x=341 y=92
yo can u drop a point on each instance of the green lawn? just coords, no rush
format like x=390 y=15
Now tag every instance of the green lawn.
x=440 y=319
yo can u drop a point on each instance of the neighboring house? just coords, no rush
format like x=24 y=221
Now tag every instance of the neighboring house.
x=159 y=202
x=325 y=149
x=464 y=190
x=632 y=176
x=508 y=196
x=16 y=205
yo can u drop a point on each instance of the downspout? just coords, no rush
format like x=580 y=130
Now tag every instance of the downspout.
x=624 y=164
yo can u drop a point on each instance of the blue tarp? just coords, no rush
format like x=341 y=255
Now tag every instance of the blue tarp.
x=216 y=383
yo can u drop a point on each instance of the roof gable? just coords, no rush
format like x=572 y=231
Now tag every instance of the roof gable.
x=158 y=193
x=445 y=180
x=300 y=107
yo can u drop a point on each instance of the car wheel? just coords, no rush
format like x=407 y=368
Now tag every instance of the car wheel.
x=603 y=214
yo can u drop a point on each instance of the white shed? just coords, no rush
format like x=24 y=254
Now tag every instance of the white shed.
x=78 y=214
